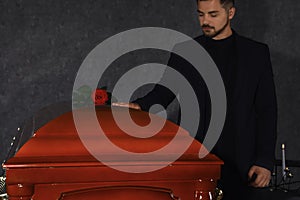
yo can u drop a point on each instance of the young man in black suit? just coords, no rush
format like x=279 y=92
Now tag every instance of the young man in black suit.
x=250 y=126
x=248 y=139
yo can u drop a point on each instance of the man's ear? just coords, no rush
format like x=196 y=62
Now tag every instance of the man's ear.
x=231 y=12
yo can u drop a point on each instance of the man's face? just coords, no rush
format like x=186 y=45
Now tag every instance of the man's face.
x=215 y=19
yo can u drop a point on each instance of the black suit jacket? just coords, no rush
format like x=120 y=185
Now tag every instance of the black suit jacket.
x=254 y=112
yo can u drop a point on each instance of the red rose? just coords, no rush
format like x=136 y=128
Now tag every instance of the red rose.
x=99 y=97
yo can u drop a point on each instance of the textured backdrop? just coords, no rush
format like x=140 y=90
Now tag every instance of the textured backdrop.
x=43 y=43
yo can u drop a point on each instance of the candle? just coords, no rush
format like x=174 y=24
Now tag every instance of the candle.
x=283 y=161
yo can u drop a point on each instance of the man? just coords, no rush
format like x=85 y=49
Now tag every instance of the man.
x=248 y=138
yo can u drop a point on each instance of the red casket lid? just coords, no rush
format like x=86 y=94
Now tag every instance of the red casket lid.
x=60 y=142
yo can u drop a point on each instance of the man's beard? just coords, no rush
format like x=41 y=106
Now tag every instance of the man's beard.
x=217 y=32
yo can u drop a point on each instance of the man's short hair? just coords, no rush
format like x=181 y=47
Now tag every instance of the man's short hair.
x=227 y=4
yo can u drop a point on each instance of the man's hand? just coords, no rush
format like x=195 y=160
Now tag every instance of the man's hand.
x=263 y=176
x=127 y=105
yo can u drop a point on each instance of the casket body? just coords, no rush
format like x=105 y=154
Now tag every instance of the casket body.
x=57 y=163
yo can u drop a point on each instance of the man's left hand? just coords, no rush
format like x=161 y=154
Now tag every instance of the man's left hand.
x=263 y=176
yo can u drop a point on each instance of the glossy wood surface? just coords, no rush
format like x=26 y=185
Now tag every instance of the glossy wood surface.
x=55 y=163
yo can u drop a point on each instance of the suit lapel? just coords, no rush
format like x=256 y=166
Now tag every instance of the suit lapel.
x=240 y=76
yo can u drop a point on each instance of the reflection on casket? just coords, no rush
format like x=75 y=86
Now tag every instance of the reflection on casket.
x=55 y=164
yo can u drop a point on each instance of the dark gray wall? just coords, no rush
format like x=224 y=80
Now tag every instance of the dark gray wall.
x=43 y=43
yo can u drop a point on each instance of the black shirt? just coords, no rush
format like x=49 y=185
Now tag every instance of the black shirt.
x=224 y=55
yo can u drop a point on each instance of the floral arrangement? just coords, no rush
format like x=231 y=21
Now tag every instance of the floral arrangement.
x=85 y=96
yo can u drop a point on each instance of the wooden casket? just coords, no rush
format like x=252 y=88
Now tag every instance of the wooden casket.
x=59 y=163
